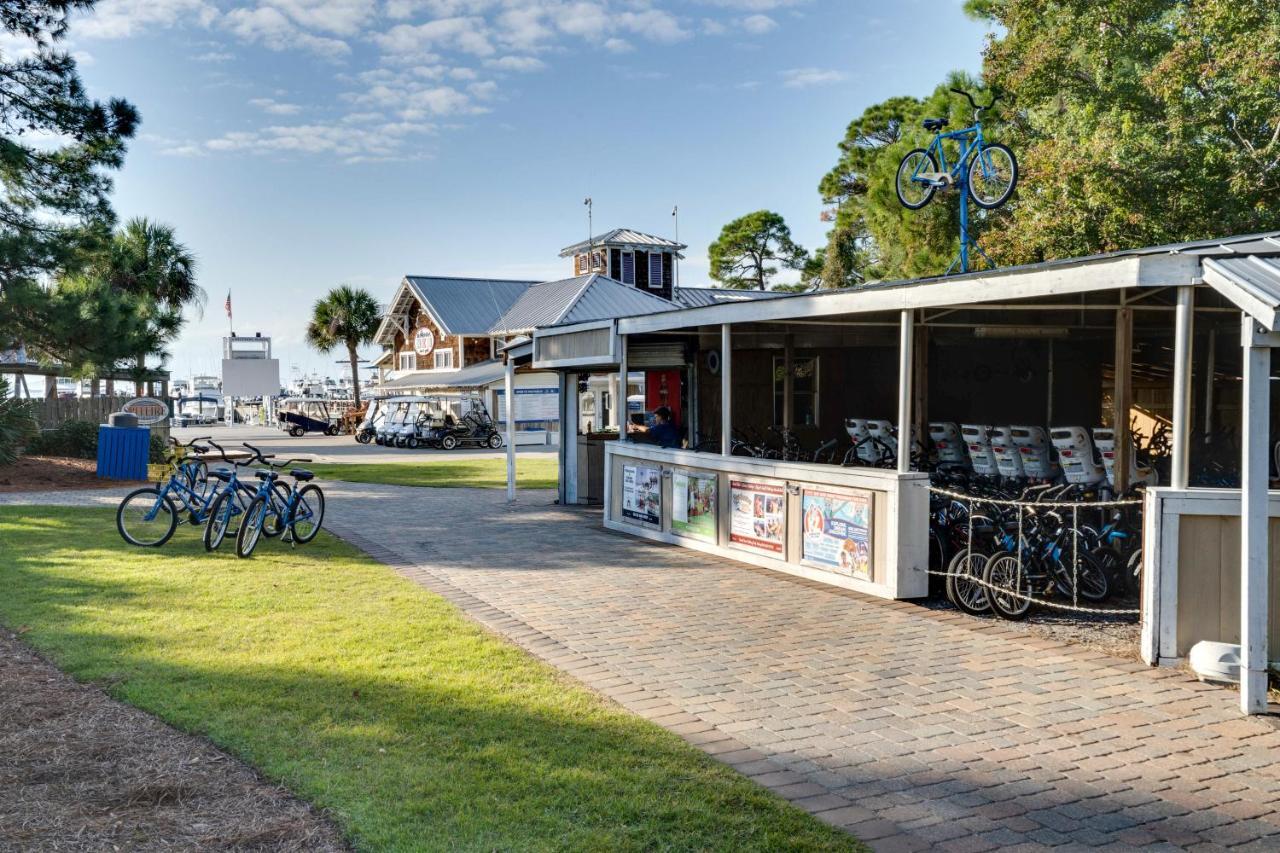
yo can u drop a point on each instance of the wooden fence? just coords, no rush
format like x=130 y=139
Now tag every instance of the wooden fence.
x=53 y=413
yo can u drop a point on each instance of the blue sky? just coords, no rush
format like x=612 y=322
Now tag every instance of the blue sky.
x=298 y=144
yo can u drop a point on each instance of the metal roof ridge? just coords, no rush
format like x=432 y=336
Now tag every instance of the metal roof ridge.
x=488 y=280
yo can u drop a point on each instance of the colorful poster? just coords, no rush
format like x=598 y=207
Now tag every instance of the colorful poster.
x=642 y=494
x=759 y=515
x=693 y=505
x=837 y=531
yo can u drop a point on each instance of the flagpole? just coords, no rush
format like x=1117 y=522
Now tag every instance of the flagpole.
x=675 y=214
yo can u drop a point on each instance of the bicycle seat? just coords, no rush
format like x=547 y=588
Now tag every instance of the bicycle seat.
x=224 y=476
x=265 y=475
x=301 y=476
x=200 y=448
x=934 y=123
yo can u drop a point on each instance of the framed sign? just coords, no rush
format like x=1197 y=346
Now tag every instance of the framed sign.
x=693 y=504
x=148 y=410
x=837 y=531
x=642 y=494
x=424 y=341
x=758 y=517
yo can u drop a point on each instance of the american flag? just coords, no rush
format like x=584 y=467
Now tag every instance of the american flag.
x=228 y=306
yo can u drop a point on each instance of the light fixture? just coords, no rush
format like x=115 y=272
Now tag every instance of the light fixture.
x=1021 y=331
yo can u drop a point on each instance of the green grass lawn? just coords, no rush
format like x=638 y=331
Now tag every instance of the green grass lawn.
x=369 y=696
x=532 y=472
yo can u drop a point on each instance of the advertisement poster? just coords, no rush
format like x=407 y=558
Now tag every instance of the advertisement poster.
x=693 y=505
x=759 y=515
x=533 y=405
x=642 y=494
x=837 y=531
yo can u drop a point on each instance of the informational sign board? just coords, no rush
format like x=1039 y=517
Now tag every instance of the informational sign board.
x=424 y=341
x=148 y=410
x=693 y=504
x=758 y=517
x=532 y=405
x=642 y=493
x=837 y=531
x=250 y=377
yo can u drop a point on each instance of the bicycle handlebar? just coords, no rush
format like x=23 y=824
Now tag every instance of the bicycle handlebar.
x=258 y=455
x=994 y=97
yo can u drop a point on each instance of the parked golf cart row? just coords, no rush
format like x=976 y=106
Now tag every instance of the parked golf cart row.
x=419 y=421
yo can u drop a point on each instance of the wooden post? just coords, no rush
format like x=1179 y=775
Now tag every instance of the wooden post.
x=1210 y=369
x=788 y=382
x=920 y=384
x=509 y=391
x=1255 y=467
x=726 y=389
x=1121 y=398
x=1182 y=341
x=905 y=347
x=624 y=413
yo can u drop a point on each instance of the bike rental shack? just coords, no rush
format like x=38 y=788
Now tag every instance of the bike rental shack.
x=814 y=427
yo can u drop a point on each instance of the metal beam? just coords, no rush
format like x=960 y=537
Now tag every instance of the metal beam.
x=1255 y=543
x=726 y=388
x=1121 y=398
x=905 y=348
x=624 y=414
x=509 y=390
x=1182 y=343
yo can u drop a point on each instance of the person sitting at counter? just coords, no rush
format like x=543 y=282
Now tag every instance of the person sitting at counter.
x=663 y=433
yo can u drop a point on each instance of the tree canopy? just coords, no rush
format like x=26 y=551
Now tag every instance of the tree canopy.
x=348 y=317
x=746 y=254
x=1135 y=122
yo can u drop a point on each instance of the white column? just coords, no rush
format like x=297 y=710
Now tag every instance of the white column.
x=624 y=414
x=1255 y=465
x=726 y=388
x=1182 y=338
x=570 y=438
x=613 y=402
x=906 y=339
x=509 y=391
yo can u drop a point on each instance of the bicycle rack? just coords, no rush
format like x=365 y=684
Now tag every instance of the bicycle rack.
x=1075 y=454
x=977 y=438
x=966 y=239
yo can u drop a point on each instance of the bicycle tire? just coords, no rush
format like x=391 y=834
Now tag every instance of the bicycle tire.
x=966 y=595
x=314 y=498
x=1007 y=191
x=167 y=508
x=216 y=528
x=1007 y=591
x=1091 y=579
x=907 y=166
x=250 y=528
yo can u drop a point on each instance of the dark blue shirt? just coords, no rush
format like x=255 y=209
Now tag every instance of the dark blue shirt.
x=665 y=435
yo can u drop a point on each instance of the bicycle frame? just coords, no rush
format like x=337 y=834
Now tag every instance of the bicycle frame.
x=970 y=139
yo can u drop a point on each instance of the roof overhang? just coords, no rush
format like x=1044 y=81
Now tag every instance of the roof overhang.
x=1012 y=284
x=1251 y=283
x=605 y=356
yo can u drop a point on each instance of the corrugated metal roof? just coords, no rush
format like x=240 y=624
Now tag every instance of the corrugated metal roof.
x=1251 y=282
x=471 y=376
x=623 y=237
x=466 y=306
x=577 y=300
x=696 y=297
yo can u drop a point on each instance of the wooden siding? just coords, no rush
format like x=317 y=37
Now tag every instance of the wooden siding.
x=419 y=319
x=1209 y=581
x=474 y=350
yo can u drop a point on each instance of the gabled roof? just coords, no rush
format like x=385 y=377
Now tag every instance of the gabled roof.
x=466 y=306
x=623 y=238
x=577 y=300
x=696 y=297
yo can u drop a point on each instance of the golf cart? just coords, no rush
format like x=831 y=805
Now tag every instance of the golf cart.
x=473 y=429
x=301 y=415
x=375 y=417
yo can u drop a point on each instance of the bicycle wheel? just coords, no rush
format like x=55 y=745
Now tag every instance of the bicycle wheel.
x=993 y=173
x=1088 y=579
x=915 y=194
x=1007 y=587
x=225 y=508
x=251 y=527
x=308 y=514
x=963 y=589
x=146 y=518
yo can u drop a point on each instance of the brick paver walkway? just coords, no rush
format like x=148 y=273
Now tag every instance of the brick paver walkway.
x=911 y=728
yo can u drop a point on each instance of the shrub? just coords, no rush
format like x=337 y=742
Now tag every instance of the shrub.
x=17 y=425
x=76 y=439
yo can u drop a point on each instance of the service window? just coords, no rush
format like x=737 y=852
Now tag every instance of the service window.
x=804 y=390
x=444 y=359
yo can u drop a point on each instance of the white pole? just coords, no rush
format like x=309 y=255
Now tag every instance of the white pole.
x=613 y=403
x=1183 y=319
x=624 y=413
x=1255 y=464
x=904 y=391
x=509 y=391
x=726 y=389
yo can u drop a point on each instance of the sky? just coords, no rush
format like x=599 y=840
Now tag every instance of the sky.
x=300 y=144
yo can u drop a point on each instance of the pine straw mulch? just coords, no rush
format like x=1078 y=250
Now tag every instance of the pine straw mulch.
x=81 y=771
x=49 y=473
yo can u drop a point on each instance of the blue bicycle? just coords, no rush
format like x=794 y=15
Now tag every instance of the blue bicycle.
x=988 y=171
x=147 y=517
x=277 y=508
x=233 y=497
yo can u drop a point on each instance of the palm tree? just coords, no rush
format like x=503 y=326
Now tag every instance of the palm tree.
x=346 y=315
x=146 y=261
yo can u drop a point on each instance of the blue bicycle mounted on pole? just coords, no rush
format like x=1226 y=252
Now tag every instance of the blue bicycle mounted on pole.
x=984 y=172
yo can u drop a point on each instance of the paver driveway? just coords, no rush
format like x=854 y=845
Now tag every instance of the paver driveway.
x=912 y=728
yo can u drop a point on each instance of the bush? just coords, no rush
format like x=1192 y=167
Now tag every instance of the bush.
x=76 y=439
x=17 y=425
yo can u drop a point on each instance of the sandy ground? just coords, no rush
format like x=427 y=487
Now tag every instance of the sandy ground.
x=81 y=771
x=46 y=473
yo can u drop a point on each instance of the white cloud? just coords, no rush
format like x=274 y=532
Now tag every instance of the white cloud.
x=354 y=142
x=114 y=19
x=758 y=24
x=340 y=17
x=523 y=64
x=214 y=56
x=617 y=45
x=268 y=26
x=468 y=35
x=274 y=107
x=801 y=78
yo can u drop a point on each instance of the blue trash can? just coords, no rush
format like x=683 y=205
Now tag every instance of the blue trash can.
x=123 y=452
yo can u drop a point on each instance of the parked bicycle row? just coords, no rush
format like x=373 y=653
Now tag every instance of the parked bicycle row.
x=220 y=500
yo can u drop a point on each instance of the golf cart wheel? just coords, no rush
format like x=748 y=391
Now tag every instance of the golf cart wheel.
x=412 y=442
x=399 y=441
x=363 y=437
x=448 y=442
x=495 y=440
x=297 y=432
x=332 y=430
x=378 y=440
